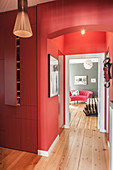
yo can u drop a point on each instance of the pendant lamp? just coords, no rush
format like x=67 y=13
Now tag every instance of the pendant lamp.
x=22 y=26
x=88 y=64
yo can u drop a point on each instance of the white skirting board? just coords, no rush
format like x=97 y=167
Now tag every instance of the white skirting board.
x=47 y=153
x=103 y=130
x=66 y=126
x=108 y=145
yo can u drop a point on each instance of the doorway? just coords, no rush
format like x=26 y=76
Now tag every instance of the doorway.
x=100 y=57
x=83 y=84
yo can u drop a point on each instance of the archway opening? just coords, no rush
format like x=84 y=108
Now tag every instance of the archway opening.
x=96 y=29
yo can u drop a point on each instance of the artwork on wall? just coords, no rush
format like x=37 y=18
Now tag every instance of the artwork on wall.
x=53 y=76
x=93 y=80
x=80 y=80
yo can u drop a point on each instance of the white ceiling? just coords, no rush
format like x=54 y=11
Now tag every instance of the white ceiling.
x=8 y=5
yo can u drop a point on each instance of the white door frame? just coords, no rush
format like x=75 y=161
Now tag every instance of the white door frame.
x=107 y=108
x=101 y=94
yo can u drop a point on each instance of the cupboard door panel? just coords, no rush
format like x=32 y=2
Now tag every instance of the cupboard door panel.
x=2 y=138
x=1 y=82
x=32 y=15
x=29 y=135
x=1 y=41
x=10 y=61
x=26 y=112
x=13 y=133
x=28 y=69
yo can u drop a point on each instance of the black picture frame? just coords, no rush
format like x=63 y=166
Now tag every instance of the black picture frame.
x=53 y=76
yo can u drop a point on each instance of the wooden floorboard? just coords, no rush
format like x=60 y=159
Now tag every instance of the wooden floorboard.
x=81 y=147
x=86 y=151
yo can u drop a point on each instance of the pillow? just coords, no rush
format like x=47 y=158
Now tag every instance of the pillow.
x=75 y=93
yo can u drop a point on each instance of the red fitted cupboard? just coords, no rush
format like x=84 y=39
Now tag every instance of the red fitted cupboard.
x=18 y=118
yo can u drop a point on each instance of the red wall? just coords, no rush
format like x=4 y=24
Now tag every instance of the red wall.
x=52 y=120
x=58 y=18
x=91 y=42
x=109 y=46
x=53 y=45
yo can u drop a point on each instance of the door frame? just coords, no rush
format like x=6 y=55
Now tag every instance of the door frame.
x=61 y=103
x=101 y=90
x=107 y=108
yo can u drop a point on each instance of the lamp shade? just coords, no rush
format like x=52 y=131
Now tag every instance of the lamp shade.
x=22 y=26
x=88 y=64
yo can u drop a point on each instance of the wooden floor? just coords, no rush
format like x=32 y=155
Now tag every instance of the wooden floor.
x=82 y=147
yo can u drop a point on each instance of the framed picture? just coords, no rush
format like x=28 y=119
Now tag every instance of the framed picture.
x=80 y=80
x=53 y=76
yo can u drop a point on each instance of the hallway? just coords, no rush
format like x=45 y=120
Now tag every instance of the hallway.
x=82 y=147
